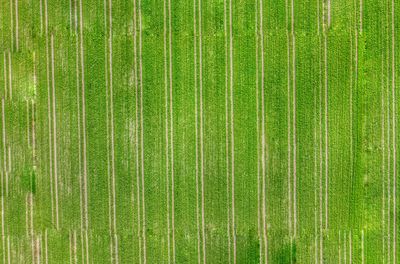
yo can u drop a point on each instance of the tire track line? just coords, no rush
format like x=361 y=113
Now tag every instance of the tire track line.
x=26 y=217
x=76 y=19
x=10 y=75
x=3 y=113
x=85 y=196
x=16 y=26
x=33 y=124
x=111 y=247
x=87 y=246
x=41 y=16
x=167 y=133
x=340 y=248
x=33 y=112
x=3 y=174
x=232 y=133
x=227 y=82
x=199 y=239
x=5 y=76
x=49 y=112
x=383 y=146
x=388 y=136
x=321 y=246
x=9 y=249
x=172 y=132
x=74 y=247
x=361 y=16
x=116 y=248
x=9 y=162
x=46 y=247
x=329 y=12
x=32 y=233
x=137 y=130
x=113 y=237
x=2 y=222
x=54 y=132
x=12 y=24
x=294 y=121
x=78 y=102
x=84 y=234
x=33 y=249
x=326 y=119
x=315 y=147
x=352 y=83
x=142 y=132
x=112 y=116
x=82 y=246
x=350 y=248
x=394 y=115
x=70 y=15
x=2 y=218
x=70 y=236
x=345 y=247
x=38 y=249
x=263 y=143
x=106 y=73
x=259 y=227
x=201 y=131
x=289 y=150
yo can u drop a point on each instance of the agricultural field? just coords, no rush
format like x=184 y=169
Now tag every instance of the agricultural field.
x=204 y=131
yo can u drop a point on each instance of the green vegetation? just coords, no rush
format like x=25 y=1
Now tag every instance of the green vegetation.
x=205 y=131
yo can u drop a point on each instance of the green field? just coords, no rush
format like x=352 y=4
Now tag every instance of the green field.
x=204 y=131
